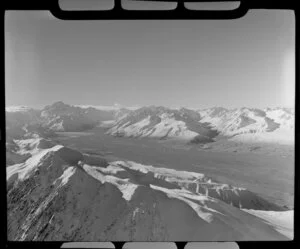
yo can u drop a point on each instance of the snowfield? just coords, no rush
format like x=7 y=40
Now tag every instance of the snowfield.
x=170 y=127
x=272 y=125
x=123 y=185
x=282 y=221
x=159 y=122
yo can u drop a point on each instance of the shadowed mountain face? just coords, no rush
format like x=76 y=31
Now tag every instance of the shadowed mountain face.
x=58 y=193
x=62 y=117
x=56 y=117
x=17 y=119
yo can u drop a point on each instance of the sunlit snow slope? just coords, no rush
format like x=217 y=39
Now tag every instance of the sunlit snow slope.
x=162 y=123
x=246 y=125
x=271 y=125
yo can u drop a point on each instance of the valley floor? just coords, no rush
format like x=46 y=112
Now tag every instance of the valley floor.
x=265 y=171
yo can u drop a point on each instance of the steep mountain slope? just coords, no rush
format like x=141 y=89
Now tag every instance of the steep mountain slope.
x=161 y=122
x=63 y=117
x=58 y=193
x=203 y=126
x=22 y=123
x=115 y=112
x=19 y=117
x=238 y=121
x=252 y=125
x=57 y=117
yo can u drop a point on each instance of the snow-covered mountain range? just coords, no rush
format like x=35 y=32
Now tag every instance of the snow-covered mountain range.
x=58 y=193
x=161 y=122
x=208 y=125
x=194 y=126
x=60 y=116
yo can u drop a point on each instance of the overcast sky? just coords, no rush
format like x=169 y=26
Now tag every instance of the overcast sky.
x=197 y=63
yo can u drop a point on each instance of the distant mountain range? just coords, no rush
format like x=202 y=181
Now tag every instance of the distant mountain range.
x=193 y=126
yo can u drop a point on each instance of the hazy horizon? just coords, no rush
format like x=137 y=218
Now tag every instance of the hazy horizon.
x=247 y=62
x=116 y=105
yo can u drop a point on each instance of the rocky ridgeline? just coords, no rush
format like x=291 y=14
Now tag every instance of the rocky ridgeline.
x=60 y=194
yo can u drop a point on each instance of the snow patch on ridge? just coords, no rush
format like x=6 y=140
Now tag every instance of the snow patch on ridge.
x=127 y=189
x=183 y=179
x=202 y=210
x=171 y=127
x=66 y=175
x=167 y=127
x=110 y=169
x=23 y=169
x=196 y=201
x=28 y=145
x=160 y=172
